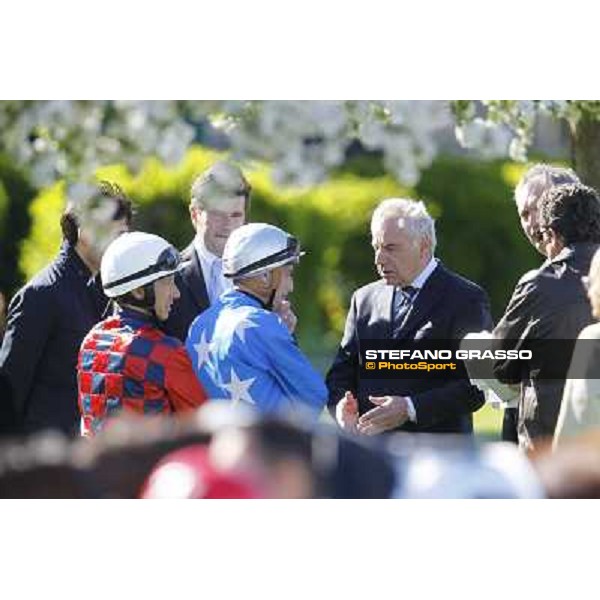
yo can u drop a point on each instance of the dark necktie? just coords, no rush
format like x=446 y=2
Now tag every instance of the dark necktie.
x=403 y=299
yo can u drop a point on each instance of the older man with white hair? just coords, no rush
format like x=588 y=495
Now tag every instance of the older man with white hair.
x=417 y=300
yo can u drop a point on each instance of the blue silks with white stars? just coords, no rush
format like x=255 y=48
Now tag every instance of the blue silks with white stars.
x=243 y=353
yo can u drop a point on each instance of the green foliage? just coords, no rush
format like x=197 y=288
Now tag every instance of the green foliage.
x=15 y=195
x=478 y=230
x=45 y=235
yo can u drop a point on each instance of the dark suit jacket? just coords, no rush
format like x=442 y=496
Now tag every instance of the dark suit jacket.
x=547 y=304
x=47 y=321
x=447 y=308
x=194 y=296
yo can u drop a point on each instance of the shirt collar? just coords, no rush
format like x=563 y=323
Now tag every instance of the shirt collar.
x=420 y=280
x=203 y=252
x=130 y=314
x=257 y=301
x=68 y=251
x=571 y=249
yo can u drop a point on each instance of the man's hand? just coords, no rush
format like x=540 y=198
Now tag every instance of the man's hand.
x=346 y=412
x=390 y=412
x=284 y=309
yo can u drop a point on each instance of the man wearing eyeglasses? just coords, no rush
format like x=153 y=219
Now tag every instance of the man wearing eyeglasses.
x=220 y=199
x=549 y=308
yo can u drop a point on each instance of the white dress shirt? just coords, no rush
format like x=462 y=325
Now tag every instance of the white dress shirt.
x=417 y=283
x=420 y=280
x=212 y=269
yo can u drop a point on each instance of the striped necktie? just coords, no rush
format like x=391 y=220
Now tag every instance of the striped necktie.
x=216 y=280
x=403 y=299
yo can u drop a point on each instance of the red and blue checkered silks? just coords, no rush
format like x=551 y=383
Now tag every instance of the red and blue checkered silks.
x=127 y=364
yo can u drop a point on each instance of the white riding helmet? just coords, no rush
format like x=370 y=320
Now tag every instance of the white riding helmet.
x=257 y=247
x=135 y=259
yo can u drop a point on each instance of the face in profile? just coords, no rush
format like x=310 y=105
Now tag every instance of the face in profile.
x=166 y=293
x=286 y=283
x=527 y=205
x=399 y=256
x=96 y=236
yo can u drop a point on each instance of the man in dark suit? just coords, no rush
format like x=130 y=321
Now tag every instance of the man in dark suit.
x=550 y=304
x=220 y=199
x=535 y=182
x=416 y=299
x=49 y=317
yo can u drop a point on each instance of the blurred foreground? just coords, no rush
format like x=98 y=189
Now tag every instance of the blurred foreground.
x=224 y=454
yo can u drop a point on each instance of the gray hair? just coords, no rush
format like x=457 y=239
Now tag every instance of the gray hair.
x=412 y=216
x=542 y=177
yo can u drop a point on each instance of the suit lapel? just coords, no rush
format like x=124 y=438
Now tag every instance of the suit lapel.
x=431 y=293
x=382 y=311
x=194 y=278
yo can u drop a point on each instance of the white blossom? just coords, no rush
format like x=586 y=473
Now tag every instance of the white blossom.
x=303 y=141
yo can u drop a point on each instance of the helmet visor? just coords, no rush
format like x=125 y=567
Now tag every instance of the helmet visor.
x=168 y=262
x=290 y=253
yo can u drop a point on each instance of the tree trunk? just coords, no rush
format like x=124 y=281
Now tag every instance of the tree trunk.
x=586 y=146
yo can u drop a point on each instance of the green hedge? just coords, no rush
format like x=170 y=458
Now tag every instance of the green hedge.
x=15 y=196
x=479 y=233
x=478 y=230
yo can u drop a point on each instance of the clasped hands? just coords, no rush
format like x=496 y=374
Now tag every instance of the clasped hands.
x=389 y=412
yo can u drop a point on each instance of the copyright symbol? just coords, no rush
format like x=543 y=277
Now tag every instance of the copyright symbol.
x=370 y=365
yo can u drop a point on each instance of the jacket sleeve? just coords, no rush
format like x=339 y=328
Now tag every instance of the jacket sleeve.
x=458 y=396
x=291 y=368
x=514 y=329
x=183 y=387
x=30 y=323
x=343 y=373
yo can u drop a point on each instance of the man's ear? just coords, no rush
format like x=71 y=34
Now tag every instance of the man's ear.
x=555 y=242
x=138 y=293
x=425 y=247
x=195 y=214
x=276 y=275
x=265 y=279
x=82 y=236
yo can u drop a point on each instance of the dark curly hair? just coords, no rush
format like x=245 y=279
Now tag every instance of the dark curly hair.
x=573 y=212
x=69 y=222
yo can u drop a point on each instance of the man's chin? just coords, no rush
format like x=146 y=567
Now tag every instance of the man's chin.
x=389 y=279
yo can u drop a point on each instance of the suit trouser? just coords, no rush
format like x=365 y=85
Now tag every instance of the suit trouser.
x=509 y=425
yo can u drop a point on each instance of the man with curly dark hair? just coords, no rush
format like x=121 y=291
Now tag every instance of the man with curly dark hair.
x=530 y=190
x=49 y=317
x=549 y=308
x=569 y=214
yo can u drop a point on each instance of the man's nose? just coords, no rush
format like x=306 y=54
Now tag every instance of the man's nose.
x=227 y=228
